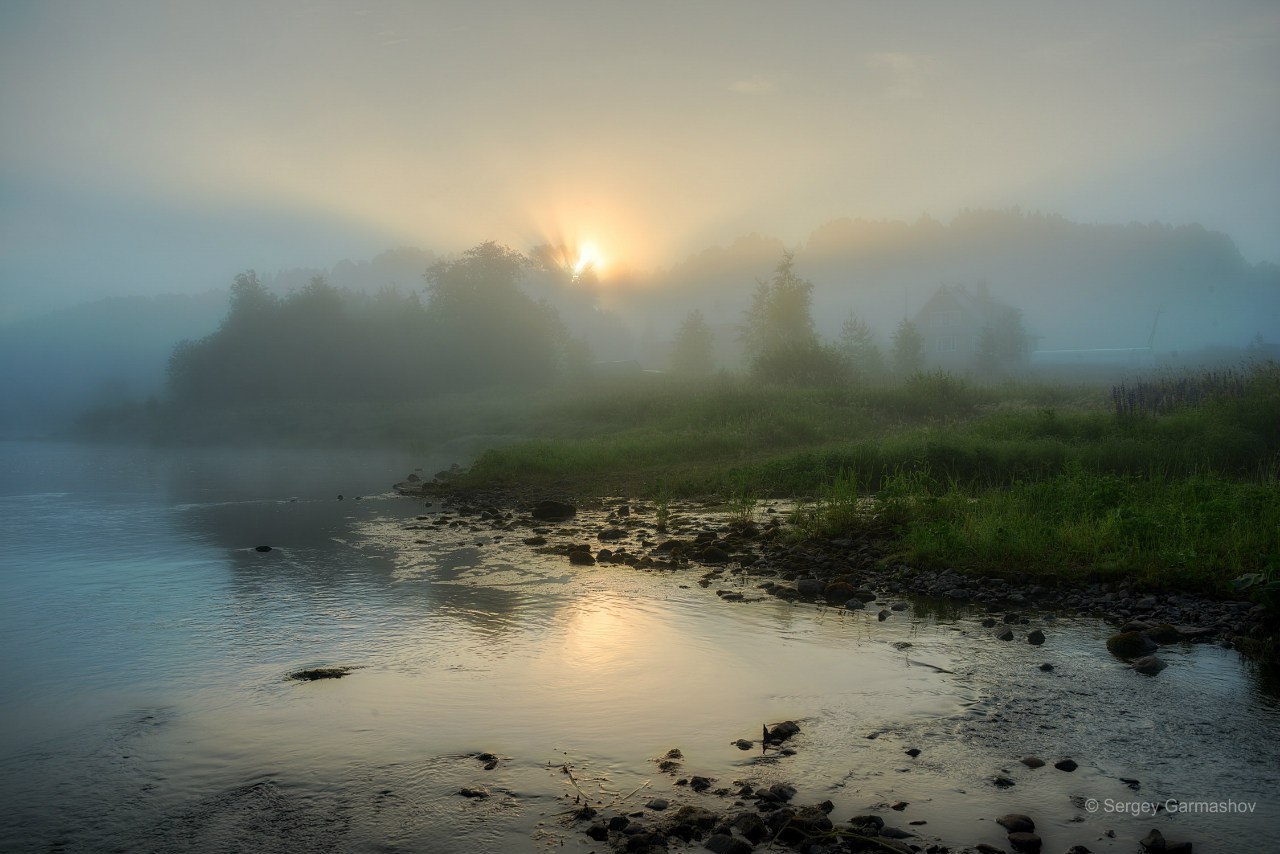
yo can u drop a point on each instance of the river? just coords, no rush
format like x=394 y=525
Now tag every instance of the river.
x=145 y=704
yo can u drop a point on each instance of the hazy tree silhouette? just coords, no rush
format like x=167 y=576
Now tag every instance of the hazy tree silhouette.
x=694 y=343
x=908 y=349
x=779 y=316
x=778 y=333
x=858 y=346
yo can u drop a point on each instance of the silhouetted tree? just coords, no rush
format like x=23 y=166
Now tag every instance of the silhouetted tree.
x=908 y=349
x=1003 y=344
x=492 y=331
x=692 y=351
x=779 y=316
x=858 y=346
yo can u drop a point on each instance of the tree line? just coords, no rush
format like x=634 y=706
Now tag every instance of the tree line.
x=781 y=344
x=474 y=328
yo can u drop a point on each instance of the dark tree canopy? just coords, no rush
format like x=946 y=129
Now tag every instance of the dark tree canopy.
x=320 y=343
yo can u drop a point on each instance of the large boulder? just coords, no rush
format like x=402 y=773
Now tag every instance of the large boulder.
x=1130 y=645
x=553 y=511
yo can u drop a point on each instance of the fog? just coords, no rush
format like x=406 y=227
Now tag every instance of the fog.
x=1106 y=172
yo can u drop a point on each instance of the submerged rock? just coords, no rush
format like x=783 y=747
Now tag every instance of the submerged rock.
x=1148 y=665
x=315 y=673
x=1025 y=842
x=1130 y=645
x=1035 y=637
x=1015 y=822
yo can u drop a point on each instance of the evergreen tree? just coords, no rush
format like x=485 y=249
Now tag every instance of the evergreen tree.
x=859 y=348
x=692 y=352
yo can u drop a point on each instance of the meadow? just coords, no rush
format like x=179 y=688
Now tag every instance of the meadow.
x=1028 y=480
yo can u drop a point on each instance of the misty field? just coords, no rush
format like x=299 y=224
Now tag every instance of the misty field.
x=1043 y=481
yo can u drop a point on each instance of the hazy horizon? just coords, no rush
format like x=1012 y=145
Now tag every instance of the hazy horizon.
x=155 y=148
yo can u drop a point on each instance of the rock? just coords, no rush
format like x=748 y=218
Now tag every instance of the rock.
x=1130 y=645
x=984 y=848
x=855 y=605
x=473 y=793
x=809 y=586
x=1032 y=761
x=958 y=593
x=535 y=541
x=604 y=556
x=1067 y=765
x=1078 y=849
x=913 y=752
x=1012 y=618
x=319 y=673
x=1005 y=634
x=598 y=831
x=658 y=804
x=870 y=824
x=882 y=616
x=1153 y=841
x=1002 y=782
x=619 y=823
x=1025 y=842
x=262 y=548
x=781 y=732
x=699 y=784
x=582 y=558
x=751 y=826
x=837 y=592
x=553 y=511
x=895 y=833
x=743 y=744
x=1035 y=637
x=609 y=534
x=779 y=792
x=1164 y=633
x=723 y=843
x=1015 y=822
x=864 y=594
x=989 y=623
x=1047 y=667
x=1148 y=665
x=900 y=806
x=899 y=606
x=714 y=554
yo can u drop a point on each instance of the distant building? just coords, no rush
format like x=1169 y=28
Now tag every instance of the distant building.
x=959 y=321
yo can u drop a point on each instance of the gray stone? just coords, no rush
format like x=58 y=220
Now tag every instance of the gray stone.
x=1148 y=665
x=1016 y=823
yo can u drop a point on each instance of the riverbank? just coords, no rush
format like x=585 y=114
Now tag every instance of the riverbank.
x=756 y=558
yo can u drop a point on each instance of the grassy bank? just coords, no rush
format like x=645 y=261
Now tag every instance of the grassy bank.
x=1029 y=481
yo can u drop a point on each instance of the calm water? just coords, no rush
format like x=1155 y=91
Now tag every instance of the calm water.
x=145 y=645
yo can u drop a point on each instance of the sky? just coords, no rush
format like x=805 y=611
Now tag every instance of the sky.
x=151 y=147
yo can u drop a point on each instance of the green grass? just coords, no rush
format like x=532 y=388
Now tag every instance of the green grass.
x=1027 y=481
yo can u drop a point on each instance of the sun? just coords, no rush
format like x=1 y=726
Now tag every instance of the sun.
x=589 y=258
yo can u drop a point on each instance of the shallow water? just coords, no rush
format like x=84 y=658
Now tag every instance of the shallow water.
x=145 y=646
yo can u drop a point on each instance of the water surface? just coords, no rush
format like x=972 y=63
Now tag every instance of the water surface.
x=145 y=708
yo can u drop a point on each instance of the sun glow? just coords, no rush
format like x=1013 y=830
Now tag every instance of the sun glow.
x=589 y=258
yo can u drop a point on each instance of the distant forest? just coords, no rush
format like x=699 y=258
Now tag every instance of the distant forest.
x=475 y=328
x=413 y=324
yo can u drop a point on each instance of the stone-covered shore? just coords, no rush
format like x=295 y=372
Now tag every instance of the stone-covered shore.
x=749 y=557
